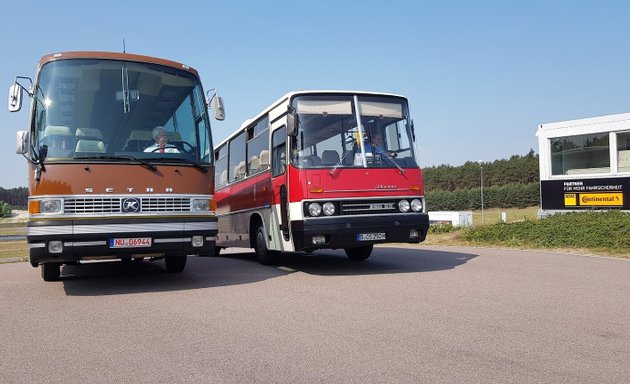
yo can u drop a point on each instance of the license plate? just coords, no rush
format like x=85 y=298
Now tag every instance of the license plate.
x=371 y=236
x=131 y=242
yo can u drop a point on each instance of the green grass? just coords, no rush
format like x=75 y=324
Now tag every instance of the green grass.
x=12 y=229
x=597 y=232
x=11 y=249
x=493 y=215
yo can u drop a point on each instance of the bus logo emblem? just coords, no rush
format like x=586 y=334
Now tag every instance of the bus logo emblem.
x=131 y=205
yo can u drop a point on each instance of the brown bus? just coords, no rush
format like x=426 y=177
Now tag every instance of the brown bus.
x=120 y=159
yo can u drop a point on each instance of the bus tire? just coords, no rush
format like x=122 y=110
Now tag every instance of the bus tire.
x=175 y=264
x=359 y=253
x=51 y=271
x=265 y=256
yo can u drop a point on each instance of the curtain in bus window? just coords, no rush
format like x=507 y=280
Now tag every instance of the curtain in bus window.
x=372 y=108
x=319 y=107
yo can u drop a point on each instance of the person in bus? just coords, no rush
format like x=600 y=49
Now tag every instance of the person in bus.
x=379 y=146
x=161 y=142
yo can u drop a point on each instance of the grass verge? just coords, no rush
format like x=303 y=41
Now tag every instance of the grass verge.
x=606 y=233
x=13 y=249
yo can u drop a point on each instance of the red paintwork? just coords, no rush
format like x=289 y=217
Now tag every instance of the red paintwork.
x=250 y=193
x=353 y=182
x=256 y=191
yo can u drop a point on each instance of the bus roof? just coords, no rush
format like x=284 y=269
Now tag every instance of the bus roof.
x=114 y=56
x=291 y=94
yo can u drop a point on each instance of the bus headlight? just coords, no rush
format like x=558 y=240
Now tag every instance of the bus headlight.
x=329 y=208
x=200 y=205
x=403 y=206
x=315 y=209
x=46 y=206
x=416 y=205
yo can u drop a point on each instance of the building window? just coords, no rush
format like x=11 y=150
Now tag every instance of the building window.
x=580 y=154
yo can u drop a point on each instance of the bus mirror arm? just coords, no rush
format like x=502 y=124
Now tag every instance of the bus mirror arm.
x=217 y=104
x=15 y=93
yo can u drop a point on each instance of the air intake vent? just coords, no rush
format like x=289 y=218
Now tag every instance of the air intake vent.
x=95 y=205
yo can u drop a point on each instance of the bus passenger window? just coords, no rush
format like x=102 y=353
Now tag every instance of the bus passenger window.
x=278 y=155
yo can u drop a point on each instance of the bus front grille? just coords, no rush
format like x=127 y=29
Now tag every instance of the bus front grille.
x=96 y=205
x=363 y=207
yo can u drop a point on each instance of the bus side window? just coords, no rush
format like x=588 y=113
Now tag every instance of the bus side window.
x=278 y=155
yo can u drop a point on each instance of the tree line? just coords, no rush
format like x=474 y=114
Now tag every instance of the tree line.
x=507 y=183
x=15 y=197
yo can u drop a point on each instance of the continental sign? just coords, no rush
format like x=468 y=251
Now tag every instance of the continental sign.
x=593 y=199
x=585 y=193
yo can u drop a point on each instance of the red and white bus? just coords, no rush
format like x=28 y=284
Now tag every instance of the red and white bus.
x=309 y=173
x=99 y=185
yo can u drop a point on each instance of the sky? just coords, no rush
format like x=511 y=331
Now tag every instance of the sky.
x=480 y=75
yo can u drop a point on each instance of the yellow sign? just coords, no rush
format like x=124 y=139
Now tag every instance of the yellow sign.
x=570 y=199
x=600 y=199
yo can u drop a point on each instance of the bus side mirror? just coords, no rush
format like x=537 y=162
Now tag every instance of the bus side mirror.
x=21 y=142
x=292 y=123
x=15 y=97
x=219 y=109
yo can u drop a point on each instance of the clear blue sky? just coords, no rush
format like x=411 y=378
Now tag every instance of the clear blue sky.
x=480 y=75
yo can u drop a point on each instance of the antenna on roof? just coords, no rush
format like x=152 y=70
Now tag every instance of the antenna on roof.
x=124 y=48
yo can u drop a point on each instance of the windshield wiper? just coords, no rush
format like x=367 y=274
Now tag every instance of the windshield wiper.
x=183 y=160
x=120 y=157
x=383 y=154
x=334 y=168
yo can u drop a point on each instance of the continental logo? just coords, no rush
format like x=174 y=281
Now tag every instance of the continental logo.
x=612 y=199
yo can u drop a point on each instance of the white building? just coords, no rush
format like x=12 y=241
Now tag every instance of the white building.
x=585 y=164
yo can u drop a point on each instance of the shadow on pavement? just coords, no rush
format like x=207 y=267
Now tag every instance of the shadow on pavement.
x=115 y=278
x=242 y=267
x=383 y=260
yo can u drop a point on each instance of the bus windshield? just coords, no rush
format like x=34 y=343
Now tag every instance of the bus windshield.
x=117 y=110
x=328 y=134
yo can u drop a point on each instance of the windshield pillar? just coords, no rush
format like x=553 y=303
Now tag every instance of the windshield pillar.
x=360 y=129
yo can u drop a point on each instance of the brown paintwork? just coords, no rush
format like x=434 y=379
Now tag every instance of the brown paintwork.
x=114 y=56
x=67 y=179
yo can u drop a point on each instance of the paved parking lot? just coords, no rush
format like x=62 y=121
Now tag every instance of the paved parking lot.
x=407 y=315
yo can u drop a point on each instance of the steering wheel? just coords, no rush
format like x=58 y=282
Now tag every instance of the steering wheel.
x=187 y=147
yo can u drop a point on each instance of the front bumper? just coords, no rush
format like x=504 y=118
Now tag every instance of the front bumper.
x=344 y=231
x=90 y=238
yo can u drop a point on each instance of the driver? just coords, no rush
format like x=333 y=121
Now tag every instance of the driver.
x=377 y=142
x=161 y=142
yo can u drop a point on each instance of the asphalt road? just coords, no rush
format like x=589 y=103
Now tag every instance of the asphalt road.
x=407 y=315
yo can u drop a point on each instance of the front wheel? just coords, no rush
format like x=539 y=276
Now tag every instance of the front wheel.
x=265 y=256
x=359 y=253
x=51 y=271
x=175 y=264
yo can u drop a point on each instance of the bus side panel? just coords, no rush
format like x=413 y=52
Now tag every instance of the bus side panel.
x=236 y=203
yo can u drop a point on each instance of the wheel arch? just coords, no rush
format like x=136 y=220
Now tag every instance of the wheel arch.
x=255 y=220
